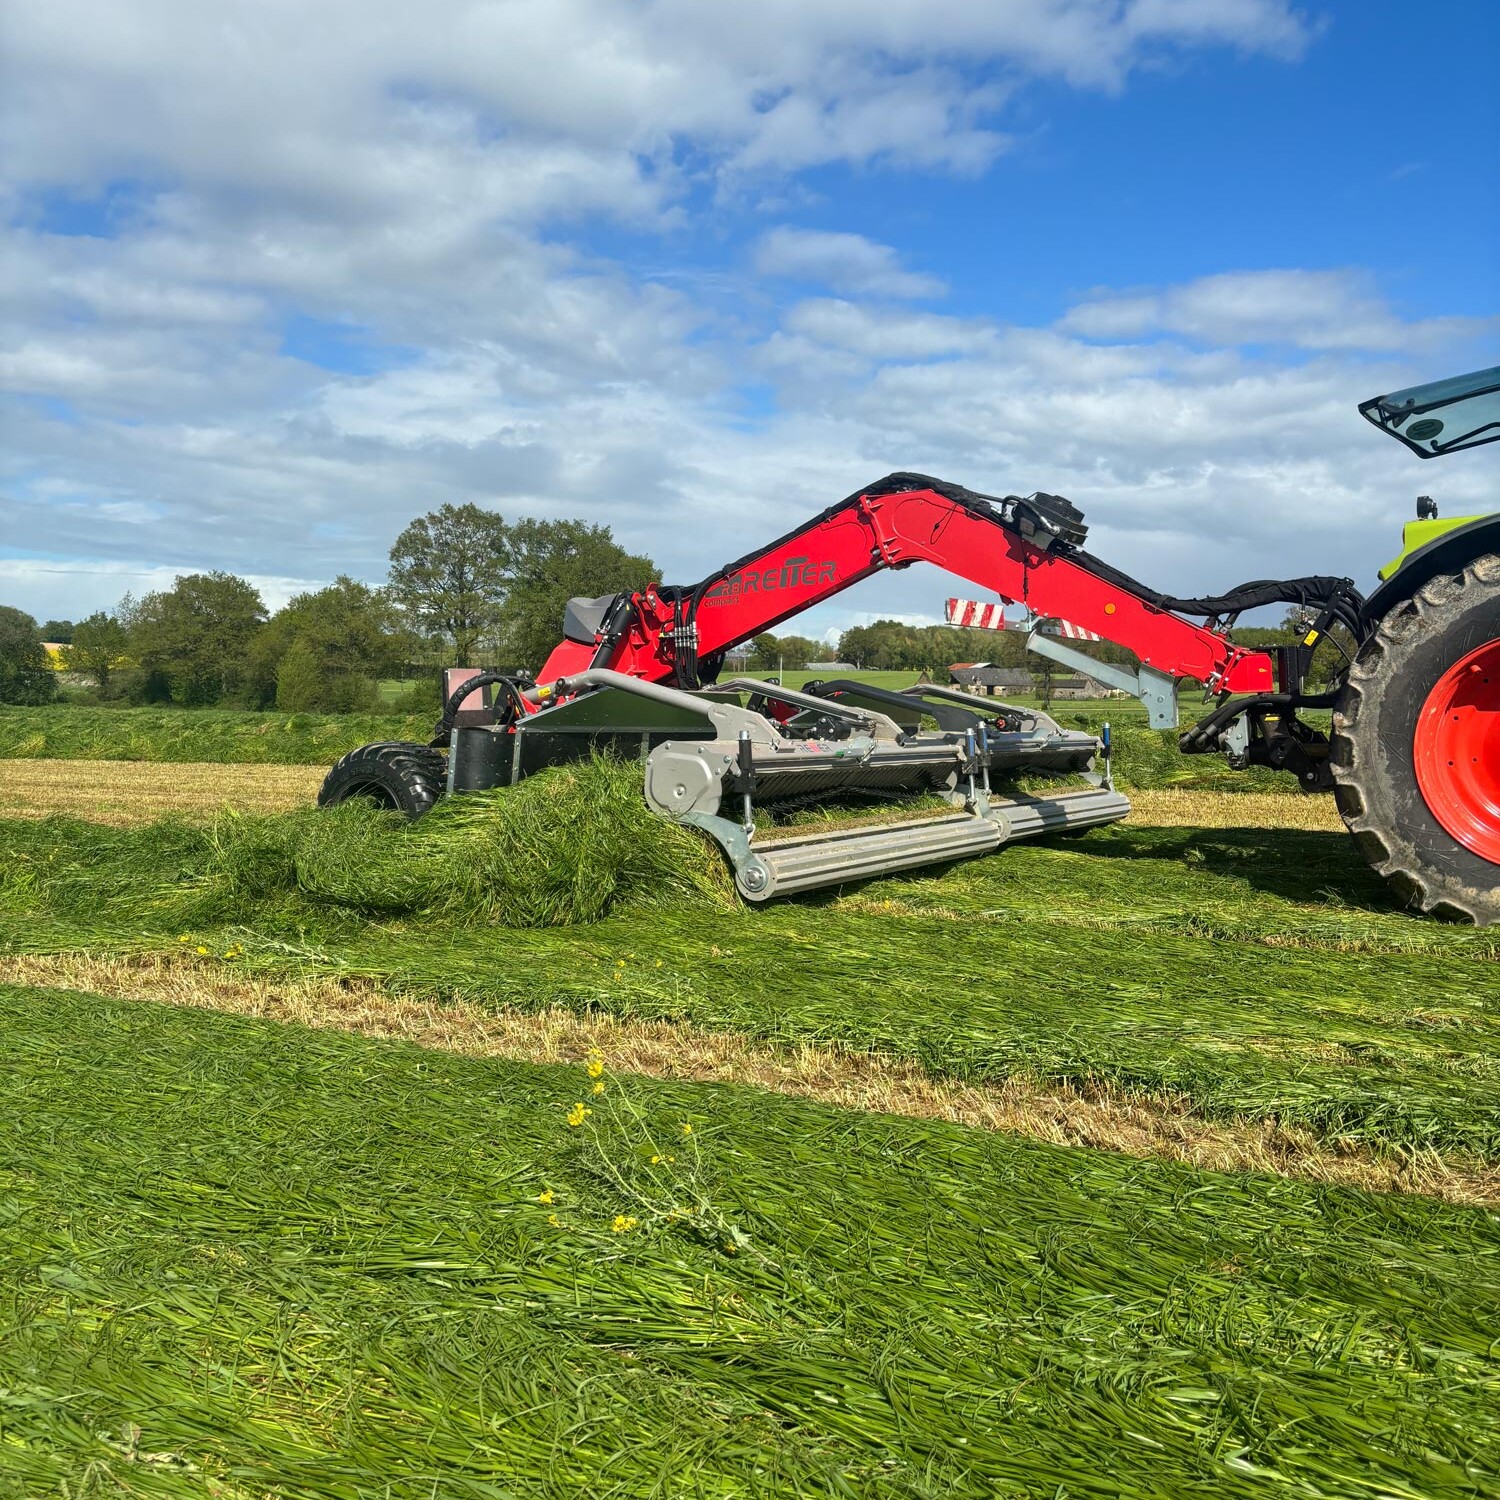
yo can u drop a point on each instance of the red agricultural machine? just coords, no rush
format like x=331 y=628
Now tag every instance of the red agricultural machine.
x=1413 y=756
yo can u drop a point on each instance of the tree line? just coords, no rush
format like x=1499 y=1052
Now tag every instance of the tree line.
x=464 y=586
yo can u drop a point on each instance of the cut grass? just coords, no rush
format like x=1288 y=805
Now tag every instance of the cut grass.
x=197 y=735
x=564 y=847
x=123 y=793
x=1252 y=975
x=1164 y=1129
x=251 y=1259
x=1143 y=757
x=129 y=792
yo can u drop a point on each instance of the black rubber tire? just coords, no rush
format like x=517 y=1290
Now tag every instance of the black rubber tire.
x=1374 y=724
x=406 y=777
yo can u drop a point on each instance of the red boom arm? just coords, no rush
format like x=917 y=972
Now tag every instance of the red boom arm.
x=997 y=544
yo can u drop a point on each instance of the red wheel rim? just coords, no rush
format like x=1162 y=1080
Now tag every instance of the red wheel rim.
x=1457 y=751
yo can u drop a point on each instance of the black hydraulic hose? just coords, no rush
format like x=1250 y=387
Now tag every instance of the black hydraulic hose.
x=445 y=724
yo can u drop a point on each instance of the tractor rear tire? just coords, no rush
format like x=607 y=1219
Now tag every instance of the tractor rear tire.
x=408 y=778
x=1416 y=747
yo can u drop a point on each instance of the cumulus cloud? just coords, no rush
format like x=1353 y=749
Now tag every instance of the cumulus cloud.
x=368 y=105
x=845 y=262
x=1337 y=309
x=416 y=186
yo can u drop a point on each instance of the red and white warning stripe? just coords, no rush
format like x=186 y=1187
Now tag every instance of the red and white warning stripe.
x=976 y=616
x=1067 y=630
x=971 y=613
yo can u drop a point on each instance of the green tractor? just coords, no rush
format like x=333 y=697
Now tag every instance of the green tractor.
x=1415 y=751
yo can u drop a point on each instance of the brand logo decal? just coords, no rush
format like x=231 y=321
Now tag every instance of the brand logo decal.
x=795 y=572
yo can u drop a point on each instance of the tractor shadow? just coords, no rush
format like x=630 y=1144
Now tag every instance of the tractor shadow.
x=1300 y=865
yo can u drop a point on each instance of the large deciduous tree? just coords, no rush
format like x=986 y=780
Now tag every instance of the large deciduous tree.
x=193 y=640
x=551 y=562
x=449 y=572
x=26 y=676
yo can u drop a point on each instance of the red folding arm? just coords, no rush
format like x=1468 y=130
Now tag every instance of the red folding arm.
x=871 y=532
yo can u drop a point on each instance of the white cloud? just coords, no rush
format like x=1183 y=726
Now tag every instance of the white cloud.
x=845 y=262
x=885 y=333
x=369 y=106
x=1338 y=309
x=41 y=585
x=417 y=175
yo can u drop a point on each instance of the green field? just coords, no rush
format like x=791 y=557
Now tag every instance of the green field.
x=1143 y=757
x=74 y=732
x=1258 y=974
x=244 y=1259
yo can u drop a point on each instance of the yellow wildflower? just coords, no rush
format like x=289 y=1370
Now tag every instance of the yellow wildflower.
x=686 y=1128
x=599 y=1087
x=578 y=1114
x=658 y=963
x=660 y=1157
x=595 y=1066
x=184 y=938
x=202 y=949
x=624 y=1223
x=554 y=1221
x=545 y=1196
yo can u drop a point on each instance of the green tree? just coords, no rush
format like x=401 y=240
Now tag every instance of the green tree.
x=798 y=650
x=58 y=632
x=891 y=645
x=96 y=649
x=194 y=639
x=550 y=563
x=769 y=652
x=449 y=572
x=763 y=653
x=324 y=651
x=26 y=676
x=303 y=686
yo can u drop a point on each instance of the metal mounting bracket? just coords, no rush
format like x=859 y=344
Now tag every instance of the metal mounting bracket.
x=1156 y=689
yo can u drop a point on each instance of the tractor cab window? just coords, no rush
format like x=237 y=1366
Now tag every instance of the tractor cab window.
x=1443 y=417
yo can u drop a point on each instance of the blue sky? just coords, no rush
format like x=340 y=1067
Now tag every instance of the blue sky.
x=696 y=271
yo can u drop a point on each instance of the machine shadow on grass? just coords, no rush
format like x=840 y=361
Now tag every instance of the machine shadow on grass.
x=1305 y=866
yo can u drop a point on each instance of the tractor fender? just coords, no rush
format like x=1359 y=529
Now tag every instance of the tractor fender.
x=1450 y=553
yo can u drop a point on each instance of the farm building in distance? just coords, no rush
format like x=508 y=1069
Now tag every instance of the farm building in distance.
x=981 y=676
x=986 y=677
x=1079 y=686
